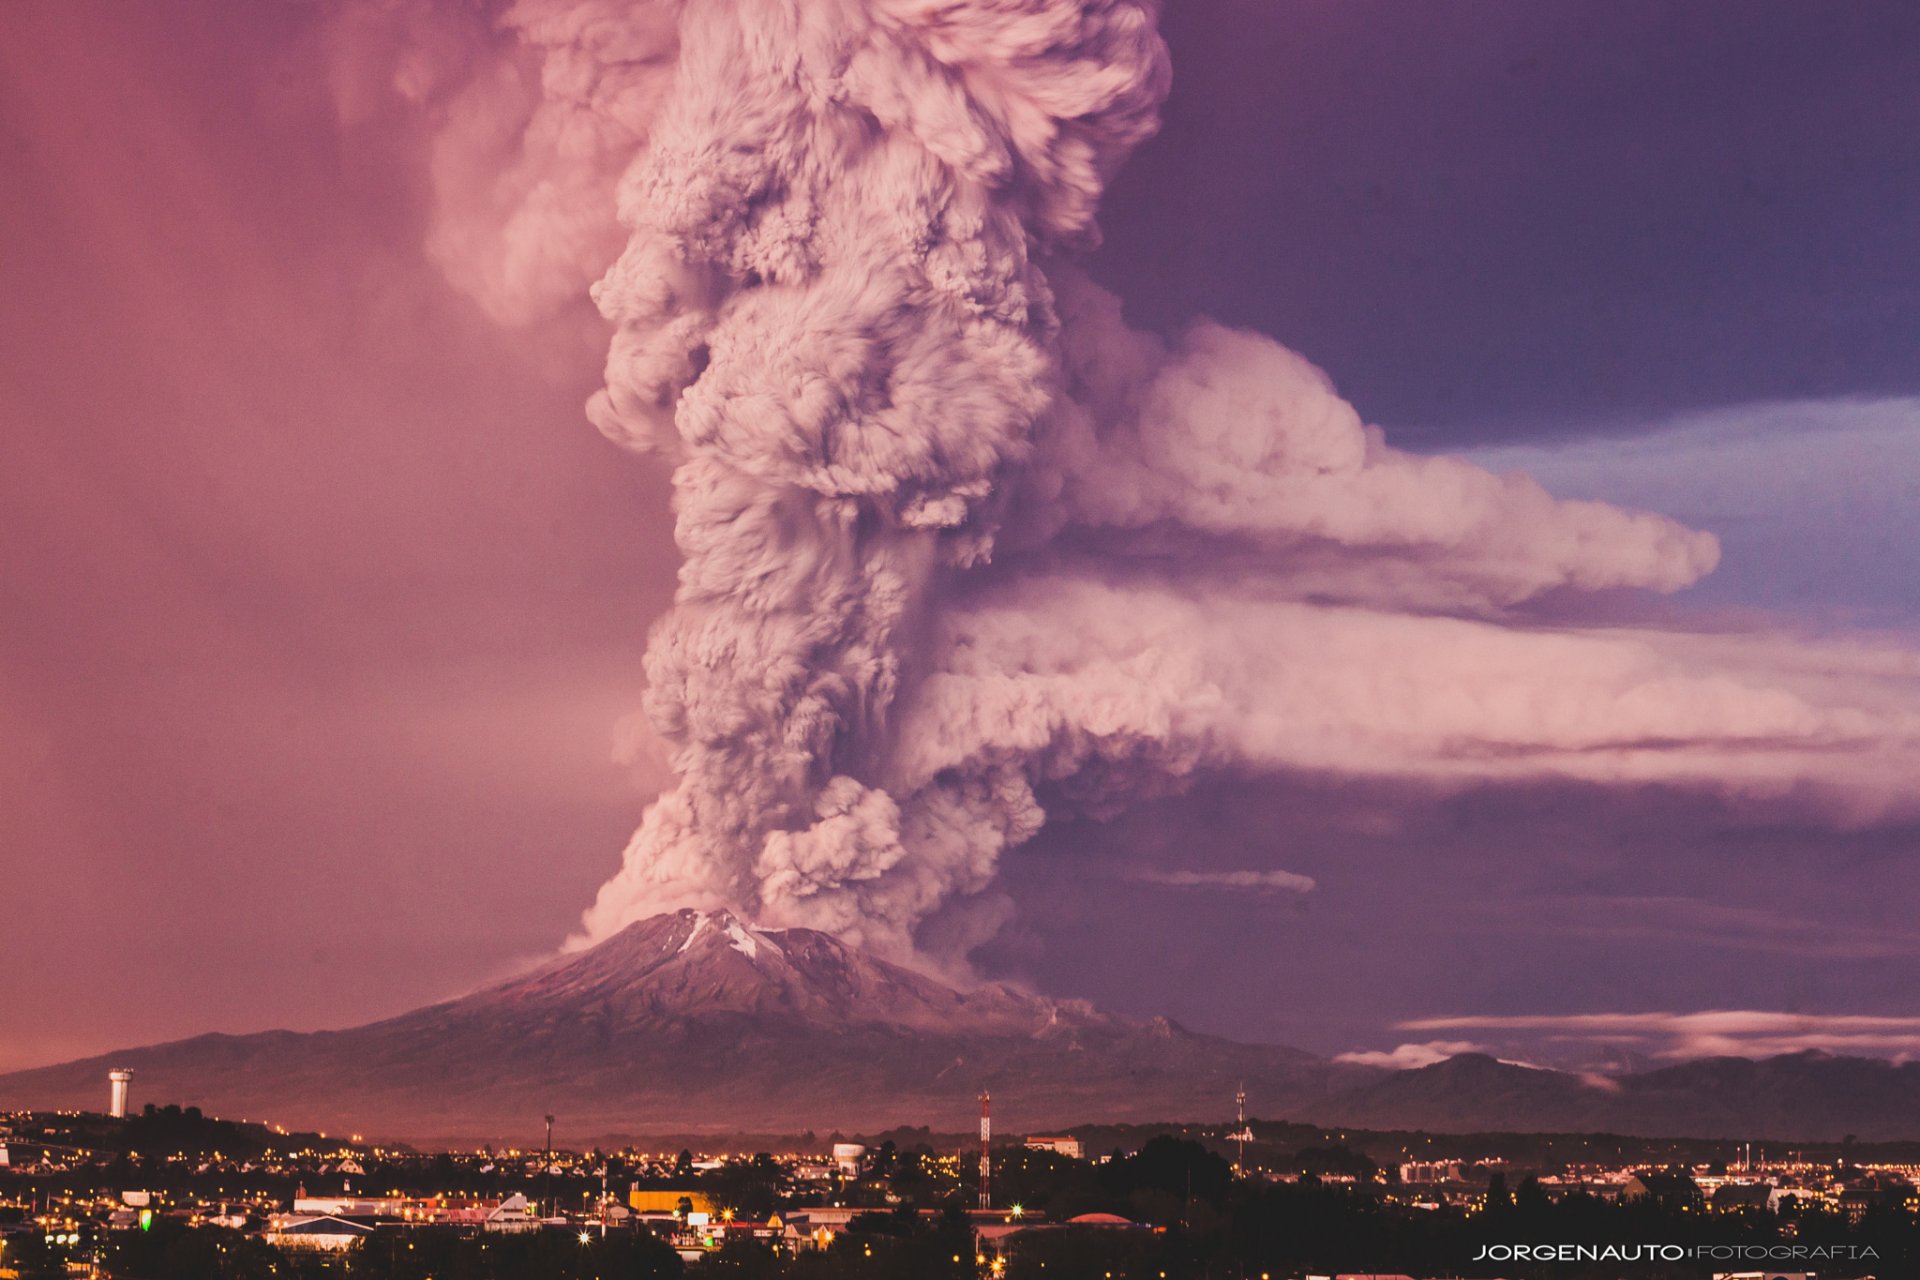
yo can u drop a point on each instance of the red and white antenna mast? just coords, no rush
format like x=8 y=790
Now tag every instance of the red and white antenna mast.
x=986 y=1144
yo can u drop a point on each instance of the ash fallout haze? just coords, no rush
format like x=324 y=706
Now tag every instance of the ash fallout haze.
x=1385 y=529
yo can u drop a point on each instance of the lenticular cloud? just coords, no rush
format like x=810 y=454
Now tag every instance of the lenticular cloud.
x=960 y=549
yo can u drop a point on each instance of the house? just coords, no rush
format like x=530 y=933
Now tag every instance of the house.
x=1061 y=1145
x=815 y=1228
x=1855 y=1202
x=1671 y=1190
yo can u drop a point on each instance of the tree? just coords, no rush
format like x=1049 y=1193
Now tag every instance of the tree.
x=1531 y=1199
x=1335 y=1160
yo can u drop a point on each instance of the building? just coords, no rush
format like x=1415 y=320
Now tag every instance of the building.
x=1671 y=1190
x=670 y=1202
x=349 y=1206
x=999 y=1233
x=1417 y=1172
x=1062 y=1145
x=814 y=1228
x=1857 y=1202
x=1732 y=1197
x=326 y=1231
x=514 y=1213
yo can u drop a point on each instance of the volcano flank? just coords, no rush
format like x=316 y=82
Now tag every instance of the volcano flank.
x=695 y=1022
x=698 y=1022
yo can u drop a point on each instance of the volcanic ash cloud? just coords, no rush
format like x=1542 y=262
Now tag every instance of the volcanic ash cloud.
x=960 y=548
x=831 y=311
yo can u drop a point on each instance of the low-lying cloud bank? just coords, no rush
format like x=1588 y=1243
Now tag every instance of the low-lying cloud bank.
x=1730 y=1032
x=1410 y=1057
x=1271 y=881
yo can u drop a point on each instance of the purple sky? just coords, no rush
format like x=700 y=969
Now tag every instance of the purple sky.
x=320 y=601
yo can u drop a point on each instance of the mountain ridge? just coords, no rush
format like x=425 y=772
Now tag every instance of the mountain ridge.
x=699 y=1022
x=693 y=1022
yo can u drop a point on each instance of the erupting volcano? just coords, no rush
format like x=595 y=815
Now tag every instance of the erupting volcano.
x=698 y=1022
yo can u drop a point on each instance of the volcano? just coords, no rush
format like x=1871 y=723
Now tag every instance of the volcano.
x=699 y=1022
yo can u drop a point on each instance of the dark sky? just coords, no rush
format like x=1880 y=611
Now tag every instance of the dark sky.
x=320 y=601
x=1510 y=218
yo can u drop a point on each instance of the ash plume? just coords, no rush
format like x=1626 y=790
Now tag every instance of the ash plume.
x=831 y=310
x=961 y=549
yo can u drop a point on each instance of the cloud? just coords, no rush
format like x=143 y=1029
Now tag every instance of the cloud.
x=194 y=622
x=1118 y=690
x=1698 y=922
x=1811 y=499
x=1225 y=441
x=962 y=551
x=1271 y=881
x=1410 y=1057
x=1715 y=1033
x=320 y=568
x=542 y=107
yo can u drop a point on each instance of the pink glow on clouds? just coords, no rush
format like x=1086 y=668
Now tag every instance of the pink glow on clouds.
x=1722 y=1032
x=1270 y=880
x=1410 y=1057
x=892 y=757
x=320 y=601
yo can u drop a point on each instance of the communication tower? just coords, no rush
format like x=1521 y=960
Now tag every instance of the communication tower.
x=986 y=1143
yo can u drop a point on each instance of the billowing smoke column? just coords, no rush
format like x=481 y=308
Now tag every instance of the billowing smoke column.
x=959 y=547
x=830 y=307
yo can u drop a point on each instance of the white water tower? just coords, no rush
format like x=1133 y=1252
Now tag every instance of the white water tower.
x=117 y=1082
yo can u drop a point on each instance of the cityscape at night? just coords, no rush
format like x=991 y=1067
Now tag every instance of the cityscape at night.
x=187 y=1195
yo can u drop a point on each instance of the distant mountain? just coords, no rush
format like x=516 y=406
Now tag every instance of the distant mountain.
x=1473 y=1093
x=697 y=1022
x=1795 y=1097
